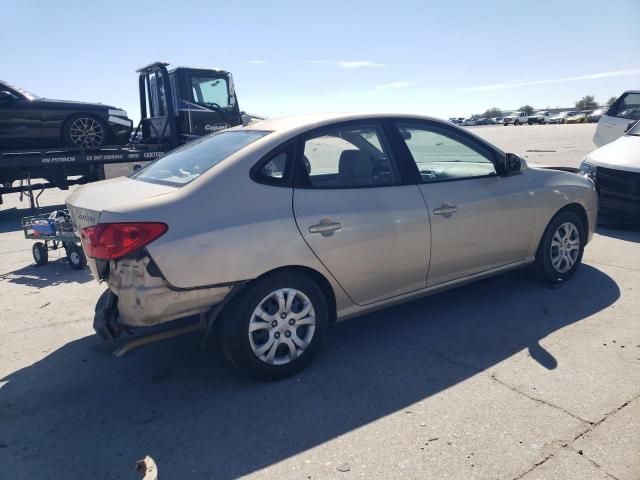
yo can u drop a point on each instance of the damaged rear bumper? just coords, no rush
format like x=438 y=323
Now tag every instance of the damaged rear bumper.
x=139 y=296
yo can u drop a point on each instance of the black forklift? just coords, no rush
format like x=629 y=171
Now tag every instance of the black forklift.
x=176 y=106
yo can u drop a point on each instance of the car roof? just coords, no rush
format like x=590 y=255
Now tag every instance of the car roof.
x=299 y=123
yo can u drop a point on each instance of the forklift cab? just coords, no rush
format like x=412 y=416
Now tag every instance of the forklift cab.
x=180 y=105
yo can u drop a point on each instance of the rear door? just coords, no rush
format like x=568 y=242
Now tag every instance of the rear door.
x=363 y=222
x=479 y=220
x=614 y=122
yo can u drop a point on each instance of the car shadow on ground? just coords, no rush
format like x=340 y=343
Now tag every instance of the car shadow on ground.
x=82 y=413
x=56 y=272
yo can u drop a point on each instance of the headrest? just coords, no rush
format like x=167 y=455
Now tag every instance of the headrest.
x=355 y=164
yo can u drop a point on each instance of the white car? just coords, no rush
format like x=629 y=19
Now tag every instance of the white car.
x=613 y=123
x=615 y=169
x=540 y=117
x=469 y=122
x=562 y=117
x=516 y=118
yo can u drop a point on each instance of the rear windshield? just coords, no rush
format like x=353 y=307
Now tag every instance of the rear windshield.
x=188 y=162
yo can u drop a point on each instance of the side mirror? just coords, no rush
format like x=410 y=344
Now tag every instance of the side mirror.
x=512 y=163
x=630 y=125
x=6 y=97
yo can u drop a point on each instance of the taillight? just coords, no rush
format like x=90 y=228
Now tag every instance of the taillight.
x=109 y=241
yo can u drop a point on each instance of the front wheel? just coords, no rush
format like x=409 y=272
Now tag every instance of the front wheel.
x=274 y=328
x=560 y=251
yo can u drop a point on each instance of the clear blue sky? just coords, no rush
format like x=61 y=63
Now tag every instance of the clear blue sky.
x=446 y=58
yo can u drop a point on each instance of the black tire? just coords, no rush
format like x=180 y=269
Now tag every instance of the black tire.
x=97 y=131
x=75 y=255
x=40 y=254
x=234 y=326
x=516 y=123
x=543 y=265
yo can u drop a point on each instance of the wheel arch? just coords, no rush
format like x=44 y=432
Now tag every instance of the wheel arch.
x=574 y=207
x=317 y=277
x=579 y=210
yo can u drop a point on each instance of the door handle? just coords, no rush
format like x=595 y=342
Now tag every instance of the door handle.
x=326 y=227
x=445 y=210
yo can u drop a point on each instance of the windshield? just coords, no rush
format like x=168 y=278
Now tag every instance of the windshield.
x=188 y=162
x=22 y=91
x=210 y=92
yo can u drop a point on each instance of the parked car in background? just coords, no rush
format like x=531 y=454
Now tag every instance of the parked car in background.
x=483 y=121
x=615 y=169
x=325 y=217
x=29 y=121
x=613 y=123
x=497 y=120
x=580 y=117
x=562 y=117
x=516 y=118
x=469 y=122
x=541 y=117
x=594 y=116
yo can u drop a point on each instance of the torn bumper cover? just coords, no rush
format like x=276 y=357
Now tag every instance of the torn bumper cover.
x=138 y=298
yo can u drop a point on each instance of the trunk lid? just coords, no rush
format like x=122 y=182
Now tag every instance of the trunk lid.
x=87 y=203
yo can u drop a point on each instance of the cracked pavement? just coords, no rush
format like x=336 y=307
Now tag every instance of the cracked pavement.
x=502 y=379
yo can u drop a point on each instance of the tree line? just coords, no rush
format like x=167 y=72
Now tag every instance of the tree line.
x=588 y=102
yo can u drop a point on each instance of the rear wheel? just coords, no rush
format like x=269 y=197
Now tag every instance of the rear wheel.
x=85 y=131
x=274 y=328
x=560 y=251
x=40 y=253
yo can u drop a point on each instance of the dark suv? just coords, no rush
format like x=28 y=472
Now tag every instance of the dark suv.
x=28 y=121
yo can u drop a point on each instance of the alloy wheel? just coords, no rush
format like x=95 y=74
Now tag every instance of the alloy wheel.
x=282 y=326
x=86 y=132
x=565 y=247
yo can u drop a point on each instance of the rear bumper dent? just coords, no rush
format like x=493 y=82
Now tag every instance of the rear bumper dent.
x=144 y=300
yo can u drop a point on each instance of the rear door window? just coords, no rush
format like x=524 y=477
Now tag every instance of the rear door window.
x=348 y=158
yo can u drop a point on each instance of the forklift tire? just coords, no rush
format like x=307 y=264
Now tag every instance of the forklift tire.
x=40 y=253
x=76 y=257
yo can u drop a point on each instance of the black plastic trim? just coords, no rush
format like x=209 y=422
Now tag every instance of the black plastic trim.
x=289 y=148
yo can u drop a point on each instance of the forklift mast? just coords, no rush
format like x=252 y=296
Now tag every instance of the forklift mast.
x=182 y=104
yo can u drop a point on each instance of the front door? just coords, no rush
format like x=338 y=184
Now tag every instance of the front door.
x=369 y=230
x=209 y=106
x=479 y=220
x=613 y=124
x=20 y=122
